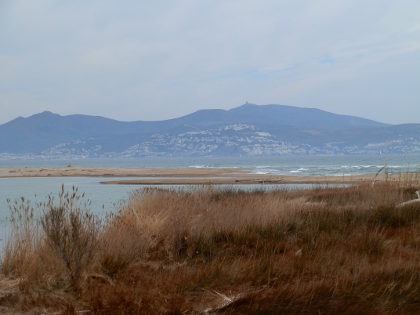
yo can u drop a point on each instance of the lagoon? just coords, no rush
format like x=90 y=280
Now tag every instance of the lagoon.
x=104 y=198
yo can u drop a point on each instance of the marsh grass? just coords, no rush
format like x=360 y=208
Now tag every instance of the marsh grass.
x=23 y=240
x=325 y=251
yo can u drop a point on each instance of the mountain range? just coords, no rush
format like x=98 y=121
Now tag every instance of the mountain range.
x=242 y=131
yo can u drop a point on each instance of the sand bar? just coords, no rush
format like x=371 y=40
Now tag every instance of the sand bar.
x=181 y=176
x=119 y=172
x=243 y=179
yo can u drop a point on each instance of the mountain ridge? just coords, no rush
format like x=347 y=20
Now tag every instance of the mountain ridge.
x=248 y=129
x=238 y=108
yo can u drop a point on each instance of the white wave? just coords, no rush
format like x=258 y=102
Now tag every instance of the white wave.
x=299 y=170
x=209 y=166
x=264 y=171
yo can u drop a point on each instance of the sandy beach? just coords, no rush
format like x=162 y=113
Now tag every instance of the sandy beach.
x=119 y=172
x=181 y=176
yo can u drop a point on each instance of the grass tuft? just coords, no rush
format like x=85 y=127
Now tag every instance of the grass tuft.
x=320 y=251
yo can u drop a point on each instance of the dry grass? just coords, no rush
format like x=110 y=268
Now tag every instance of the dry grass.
x=321 y=251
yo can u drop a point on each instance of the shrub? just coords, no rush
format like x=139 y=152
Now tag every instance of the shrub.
x=70 y=231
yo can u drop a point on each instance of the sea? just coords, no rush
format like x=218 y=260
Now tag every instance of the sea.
x=105 y=199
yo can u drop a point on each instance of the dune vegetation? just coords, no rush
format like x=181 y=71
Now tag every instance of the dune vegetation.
x=348 y=250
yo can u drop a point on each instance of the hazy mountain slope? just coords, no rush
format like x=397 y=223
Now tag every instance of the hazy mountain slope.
x=41 y=131
x=276 y=115
x=245 y=130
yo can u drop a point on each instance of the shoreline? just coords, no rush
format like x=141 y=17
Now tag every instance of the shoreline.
x=119 y=172
x=186 y=176
x=243 y=180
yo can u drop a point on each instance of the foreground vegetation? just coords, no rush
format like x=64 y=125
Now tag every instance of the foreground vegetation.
x=322 y=251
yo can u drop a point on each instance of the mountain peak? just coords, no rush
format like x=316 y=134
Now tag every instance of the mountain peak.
x=42 y=115
x=46 y=113
x=246 y=105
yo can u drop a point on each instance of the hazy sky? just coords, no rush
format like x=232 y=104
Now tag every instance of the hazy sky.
x=149 y=60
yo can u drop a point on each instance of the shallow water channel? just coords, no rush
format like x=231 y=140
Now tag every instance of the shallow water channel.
x=104 y=198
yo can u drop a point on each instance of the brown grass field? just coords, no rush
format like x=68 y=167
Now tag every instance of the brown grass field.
x=321 y=251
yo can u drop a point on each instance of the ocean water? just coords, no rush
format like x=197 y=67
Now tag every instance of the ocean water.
x=281 y=165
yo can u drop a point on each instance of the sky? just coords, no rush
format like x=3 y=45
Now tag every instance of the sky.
x=153 y=60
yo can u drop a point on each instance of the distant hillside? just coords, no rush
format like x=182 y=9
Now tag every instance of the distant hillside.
x=245 y=130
